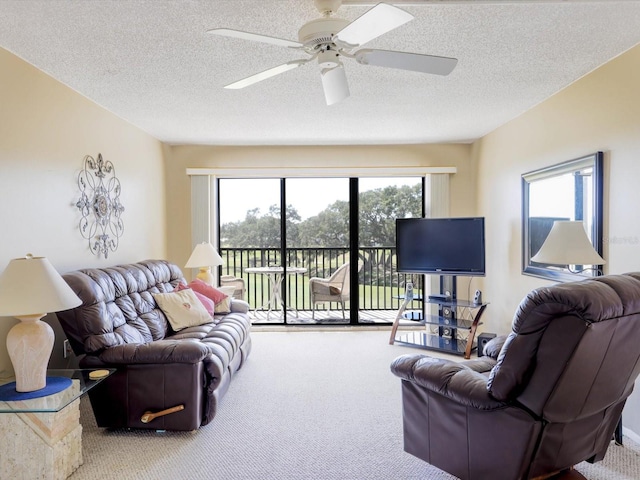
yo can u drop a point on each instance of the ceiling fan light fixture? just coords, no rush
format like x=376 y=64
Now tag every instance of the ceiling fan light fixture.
x=334 y=84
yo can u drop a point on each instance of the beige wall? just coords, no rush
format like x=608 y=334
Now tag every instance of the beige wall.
x=45 y=131
x=597 y=113
x=360 y=157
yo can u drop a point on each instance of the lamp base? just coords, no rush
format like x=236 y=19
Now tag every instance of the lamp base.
x=30 y=344
x=205 y=275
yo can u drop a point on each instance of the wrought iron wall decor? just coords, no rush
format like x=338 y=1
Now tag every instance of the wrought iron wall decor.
x=100 y=205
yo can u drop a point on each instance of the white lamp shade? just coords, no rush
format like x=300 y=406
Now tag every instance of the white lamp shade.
x=30 y=285
x=204 y=255
x=568 y=244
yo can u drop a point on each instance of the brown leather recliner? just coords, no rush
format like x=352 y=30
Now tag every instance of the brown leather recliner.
x=119 y=325
x=551 y=396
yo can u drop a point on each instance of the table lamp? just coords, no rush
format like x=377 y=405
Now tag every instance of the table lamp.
x=567 y=244
x=204 y=257
x=29 y=289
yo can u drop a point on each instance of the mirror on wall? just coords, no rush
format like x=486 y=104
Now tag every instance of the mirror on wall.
x=568 y=191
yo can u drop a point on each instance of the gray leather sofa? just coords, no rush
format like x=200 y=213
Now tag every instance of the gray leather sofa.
x=546 y=397
x=119 y=325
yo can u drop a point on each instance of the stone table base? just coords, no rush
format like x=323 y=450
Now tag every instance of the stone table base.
x=45 y=446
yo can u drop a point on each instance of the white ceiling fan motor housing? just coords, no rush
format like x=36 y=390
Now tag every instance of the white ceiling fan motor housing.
x=317 y=37
x=320 y=31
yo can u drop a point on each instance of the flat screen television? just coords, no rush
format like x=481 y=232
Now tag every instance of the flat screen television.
x=442 y=246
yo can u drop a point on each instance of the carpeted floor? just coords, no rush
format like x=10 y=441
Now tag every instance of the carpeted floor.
x=307 y=405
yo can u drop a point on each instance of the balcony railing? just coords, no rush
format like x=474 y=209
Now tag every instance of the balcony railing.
x=380 y=284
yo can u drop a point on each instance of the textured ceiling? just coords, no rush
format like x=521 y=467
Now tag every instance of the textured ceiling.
x=151 y=63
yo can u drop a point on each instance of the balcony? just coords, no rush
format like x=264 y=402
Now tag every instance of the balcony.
x=380 y=285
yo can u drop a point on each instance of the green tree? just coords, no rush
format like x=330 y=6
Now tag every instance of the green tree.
x=379 y=209
x=330 y=228
x=259 y=231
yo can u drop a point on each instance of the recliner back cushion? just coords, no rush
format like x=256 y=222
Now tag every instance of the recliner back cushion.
x=548 y=328
x=118 y=305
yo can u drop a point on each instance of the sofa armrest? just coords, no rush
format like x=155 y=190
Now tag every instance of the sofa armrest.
x=239 y=306
x=160 y=351
x=450 y=379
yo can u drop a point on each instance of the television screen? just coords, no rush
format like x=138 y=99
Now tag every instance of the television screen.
x=445 y=246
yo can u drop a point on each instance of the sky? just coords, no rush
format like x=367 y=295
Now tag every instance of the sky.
x=309 y=196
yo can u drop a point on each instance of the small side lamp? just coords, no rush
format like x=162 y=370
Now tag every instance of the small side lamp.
x=29 y=289
x=204 y=257
x=567 y=244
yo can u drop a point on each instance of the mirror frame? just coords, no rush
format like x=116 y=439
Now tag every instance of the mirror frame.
x=555 y=272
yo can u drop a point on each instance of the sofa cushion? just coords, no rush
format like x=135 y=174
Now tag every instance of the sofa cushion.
x=183 y=309
x=118 y=306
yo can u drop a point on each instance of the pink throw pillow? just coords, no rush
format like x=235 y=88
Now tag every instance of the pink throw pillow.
x=206 y=302
x=207 y=290
x=221 y=300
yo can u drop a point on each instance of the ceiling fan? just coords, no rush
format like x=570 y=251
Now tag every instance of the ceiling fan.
x=329 y=39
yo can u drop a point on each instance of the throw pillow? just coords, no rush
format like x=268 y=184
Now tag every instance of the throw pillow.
x=183 y=309
x=221 y=300
x=207 y=303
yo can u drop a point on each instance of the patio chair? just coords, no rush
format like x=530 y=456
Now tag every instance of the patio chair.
x=238 y=283
x=336 y=288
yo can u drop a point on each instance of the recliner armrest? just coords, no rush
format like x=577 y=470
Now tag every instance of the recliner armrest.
x=493 y=346
x=160 y=351
x=450 y=379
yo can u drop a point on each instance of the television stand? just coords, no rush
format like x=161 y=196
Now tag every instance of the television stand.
x=447 y=322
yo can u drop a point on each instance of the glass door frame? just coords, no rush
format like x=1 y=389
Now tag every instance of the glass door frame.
x=205 y=218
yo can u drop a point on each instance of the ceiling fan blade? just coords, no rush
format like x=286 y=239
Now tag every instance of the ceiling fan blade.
x=407 y=61
x=254 y=37
x=335 y=85
x=272 y=72
x=374 y=22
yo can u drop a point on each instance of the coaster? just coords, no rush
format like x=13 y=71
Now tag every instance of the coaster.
x=8 y=391
x=98 y=374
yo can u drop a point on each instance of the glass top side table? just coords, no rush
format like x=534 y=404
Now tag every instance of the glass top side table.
x=42 y=437
x=81 y=384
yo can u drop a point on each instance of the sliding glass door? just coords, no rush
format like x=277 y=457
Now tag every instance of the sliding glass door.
x=316 y=250
x=317 y=233
x=381 y=201
x=251 y=242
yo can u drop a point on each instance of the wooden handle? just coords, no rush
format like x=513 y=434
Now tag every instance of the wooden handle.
x=149 y=416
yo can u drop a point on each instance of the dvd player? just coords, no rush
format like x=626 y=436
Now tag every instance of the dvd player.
x=440 y=296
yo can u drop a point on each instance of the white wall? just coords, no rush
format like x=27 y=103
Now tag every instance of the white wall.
x=597 y=113
x=45 y=131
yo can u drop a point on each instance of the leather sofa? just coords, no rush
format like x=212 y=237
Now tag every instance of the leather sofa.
x=546 y=397
x=120 y=326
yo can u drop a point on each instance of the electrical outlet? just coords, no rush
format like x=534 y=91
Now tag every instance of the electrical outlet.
x=66 y=349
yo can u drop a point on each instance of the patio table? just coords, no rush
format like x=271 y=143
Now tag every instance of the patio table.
x=275 y=275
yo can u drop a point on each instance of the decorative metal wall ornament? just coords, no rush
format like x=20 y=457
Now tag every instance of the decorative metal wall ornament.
x=100 y=205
